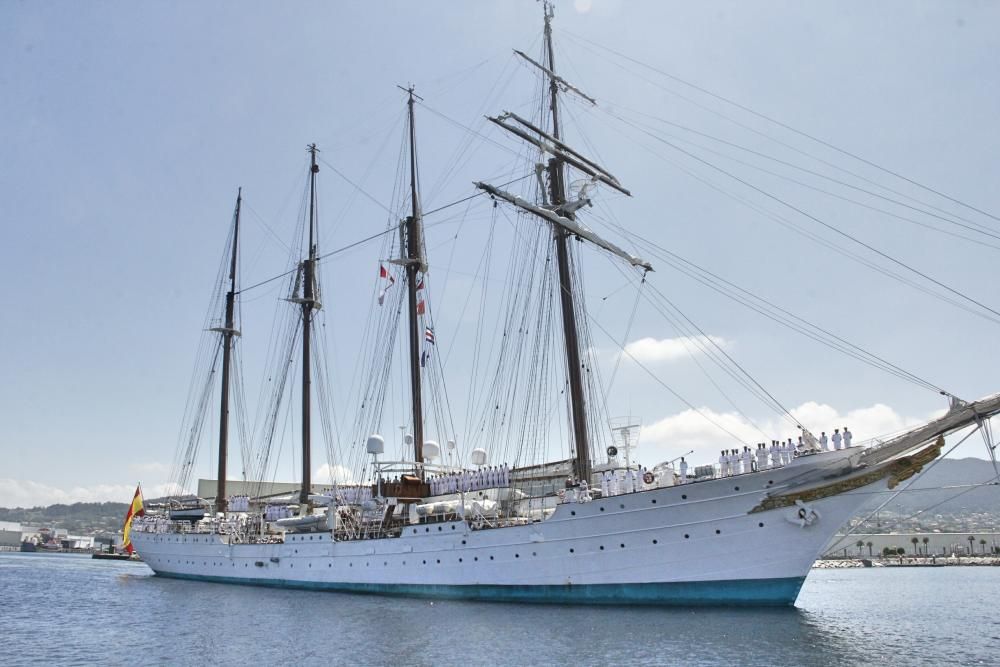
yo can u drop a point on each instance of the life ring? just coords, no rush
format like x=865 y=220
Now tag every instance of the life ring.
x=648 y=477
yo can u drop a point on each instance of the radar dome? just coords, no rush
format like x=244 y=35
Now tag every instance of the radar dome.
x=376 y=444
x=432 y=450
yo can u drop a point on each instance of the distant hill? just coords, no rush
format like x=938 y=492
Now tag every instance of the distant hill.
x=78 y=518
x=951 y=473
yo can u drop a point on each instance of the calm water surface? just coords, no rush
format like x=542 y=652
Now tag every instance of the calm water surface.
x=65 y=609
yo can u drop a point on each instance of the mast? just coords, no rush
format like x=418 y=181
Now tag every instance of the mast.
x=228 y=331
x=308 y=304
x=415 y=264
x=557 y=195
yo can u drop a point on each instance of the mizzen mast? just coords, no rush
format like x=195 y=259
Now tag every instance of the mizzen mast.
x=228 y=331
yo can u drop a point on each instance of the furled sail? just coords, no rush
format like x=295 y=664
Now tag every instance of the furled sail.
x=567 y=224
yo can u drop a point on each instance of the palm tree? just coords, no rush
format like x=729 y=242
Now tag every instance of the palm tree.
x=925 y=541
x=859 y=544
x=869 y=545
x=915 y=541
x=972 y=540
x=982 y=545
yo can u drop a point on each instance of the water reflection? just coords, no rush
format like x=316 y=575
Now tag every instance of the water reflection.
x=116 y=613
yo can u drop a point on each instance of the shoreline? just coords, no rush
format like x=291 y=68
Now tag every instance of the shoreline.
x=907 y=561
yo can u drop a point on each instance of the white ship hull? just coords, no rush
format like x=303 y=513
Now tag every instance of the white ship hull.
x=708 y=542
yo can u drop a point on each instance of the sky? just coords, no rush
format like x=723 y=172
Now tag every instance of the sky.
x=126 y=130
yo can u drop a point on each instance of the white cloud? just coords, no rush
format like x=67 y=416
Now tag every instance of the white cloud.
x=27 y=493
x=648 y=350
x=327 y=474
x=676 y=434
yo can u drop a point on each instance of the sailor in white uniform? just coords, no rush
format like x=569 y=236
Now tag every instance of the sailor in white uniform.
x=723 y=467
x=824 y=441
x=848 y=436
x=837 y=438
x=684 y=471
x=761 y=458
x=747 y=460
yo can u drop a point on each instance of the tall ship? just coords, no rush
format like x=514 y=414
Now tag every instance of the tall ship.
x=516 y=510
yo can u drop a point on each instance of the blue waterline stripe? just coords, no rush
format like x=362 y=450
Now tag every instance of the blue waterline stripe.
x=779 y=592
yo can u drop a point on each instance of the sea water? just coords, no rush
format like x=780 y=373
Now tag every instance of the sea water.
x=72 y=610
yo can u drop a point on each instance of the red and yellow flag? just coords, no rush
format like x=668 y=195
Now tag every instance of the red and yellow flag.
x=133 y=511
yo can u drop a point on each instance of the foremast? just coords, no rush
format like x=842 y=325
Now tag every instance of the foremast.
x=228 y=332
x=415 y=263
x=557 y=193
x=560 y=213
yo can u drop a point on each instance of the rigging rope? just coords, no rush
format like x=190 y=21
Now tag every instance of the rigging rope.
x=785 y=126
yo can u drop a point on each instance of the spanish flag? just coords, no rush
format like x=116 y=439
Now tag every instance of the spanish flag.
x=133 y=511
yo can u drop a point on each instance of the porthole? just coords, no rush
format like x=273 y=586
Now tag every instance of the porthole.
x=602 y=547
x=655 y=542
x=736 y=488
x=459 y=560
x=475 y=558
x=572 y=513
x=602 y=509
x=517 y=555
x=718 y=532
x=684 y=497
x=491 y=557
x=686 y=536
x=425 y=562
x=439 y=529
x=534 y=553
x=439 y=561
x=453 y=527
x=760 y=525
x=622 y=546
x=654 y=501
x=572 y=551
x=622 y=506
x=463 y=541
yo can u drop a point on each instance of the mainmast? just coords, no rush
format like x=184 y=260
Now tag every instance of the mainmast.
x=309 y=303
x=228 y=331
x=557 y=194
x=415 y=263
